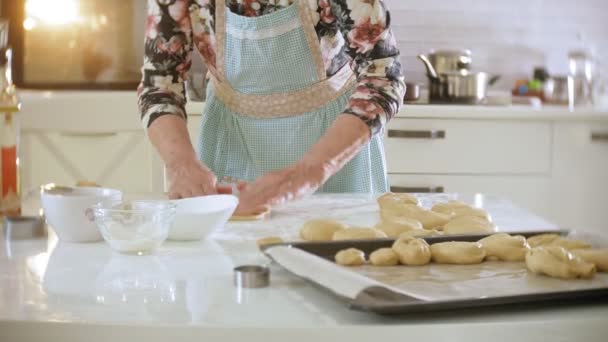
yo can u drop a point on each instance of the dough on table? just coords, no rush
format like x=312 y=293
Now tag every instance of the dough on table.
x=254 y=217
x=421 y=233
x=392 y=200
x=557 y=262
x=320 y=230
x=598 y=257
x=271 y=240
x=458 y=208
x=428 y=218
x=350 y=257
x=358 y=234
x=542 y=239
x=448 y=207
x=569 y=244
x=557 y=240
x=398 y=225
x=469 y=225
x=458 y=252
x=505 y=247
x=384 y=257
x=412 y=251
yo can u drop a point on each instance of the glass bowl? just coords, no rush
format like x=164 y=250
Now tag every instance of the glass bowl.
x=135 y=227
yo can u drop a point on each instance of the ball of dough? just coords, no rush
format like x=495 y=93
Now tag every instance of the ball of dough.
x=421 y=233
x=271 y=240
x=505 y=247
x=320 y=230
x=350 y=257
x=412 y=251
x=398 y=225
x=598 y=257
x=557 y=262
x=458 y=252
x=469 y=225
x=393 y=200
x=358 y=234
x=542 y=239
x=384 y=257
x=556 y=240
x=428 y=218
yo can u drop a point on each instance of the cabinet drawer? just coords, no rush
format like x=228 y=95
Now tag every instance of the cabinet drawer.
x=468 y=146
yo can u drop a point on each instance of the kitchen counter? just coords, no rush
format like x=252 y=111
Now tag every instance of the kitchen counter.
x=75 y=292
x=117 y=111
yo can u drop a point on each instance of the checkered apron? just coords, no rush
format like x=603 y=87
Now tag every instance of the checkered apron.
x=270 y=101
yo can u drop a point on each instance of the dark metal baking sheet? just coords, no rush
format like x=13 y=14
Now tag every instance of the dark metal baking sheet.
x=381 y=300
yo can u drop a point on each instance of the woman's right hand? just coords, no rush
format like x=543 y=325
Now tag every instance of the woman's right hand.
x=190 y=178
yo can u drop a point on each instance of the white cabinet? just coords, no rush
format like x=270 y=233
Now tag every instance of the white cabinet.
x=94 y=136
x=122 y=160
x=581 y=174
x=468 y=146
x=557 y=169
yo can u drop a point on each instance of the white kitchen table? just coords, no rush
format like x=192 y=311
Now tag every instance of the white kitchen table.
x=52 y=291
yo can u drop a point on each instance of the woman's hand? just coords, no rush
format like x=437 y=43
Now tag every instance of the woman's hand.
x=279 y=187
x=190 y=178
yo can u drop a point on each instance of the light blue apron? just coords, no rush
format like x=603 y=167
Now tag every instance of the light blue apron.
x=270 y=101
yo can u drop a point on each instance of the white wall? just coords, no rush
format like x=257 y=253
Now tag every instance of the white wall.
x=506 y=37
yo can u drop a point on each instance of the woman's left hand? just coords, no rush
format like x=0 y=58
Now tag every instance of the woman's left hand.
x=279 y=187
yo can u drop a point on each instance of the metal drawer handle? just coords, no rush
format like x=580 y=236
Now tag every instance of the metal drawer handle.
x=599 y=136
x=88 y=134
x=430 y=134
x=418 y=189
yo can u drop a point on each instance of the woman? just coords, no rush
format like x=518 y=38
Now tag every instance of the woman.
x=299 y=91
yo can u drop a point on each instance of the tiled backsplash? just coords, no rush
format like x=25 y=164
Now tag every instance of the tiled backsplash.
x=506 y=37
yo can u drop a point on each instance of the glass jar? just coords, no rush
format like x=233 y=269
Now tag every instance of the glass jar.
x=581 y=68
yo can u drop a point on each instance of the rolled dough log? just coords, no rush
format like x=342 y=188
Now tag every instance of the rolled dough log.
x=598 y=257
x=421 y=233
x=505 y=247
x=398 y=225
x=557 y=262
x=271 y=240
x=428 y=218
x=384 y=257
x=358 y=234
x=468 y=225
x=458 y=252
x=320 y=230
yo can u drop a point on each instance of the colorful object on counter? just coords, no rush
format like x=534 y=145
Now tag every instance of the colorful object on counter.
x=9 y=199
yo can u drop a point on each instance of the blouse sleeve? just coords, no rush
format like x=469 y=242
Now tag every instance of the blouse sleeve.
x=167 y=58
x=365 y=25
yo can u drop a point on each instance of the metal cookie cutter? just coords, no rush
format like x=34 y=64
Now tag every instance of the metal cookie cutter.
x=251 y=276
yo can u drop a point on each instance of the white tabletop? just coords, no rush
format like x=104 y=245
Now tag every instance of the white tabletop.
x=75 y=292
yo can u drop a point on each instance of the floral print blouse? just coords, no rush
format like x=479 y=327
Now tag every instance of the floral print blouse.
x=350 y=31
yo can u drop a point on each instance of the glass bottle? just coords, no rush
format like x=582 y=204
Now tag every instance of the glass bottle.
x=582 y=73
x=10 y=203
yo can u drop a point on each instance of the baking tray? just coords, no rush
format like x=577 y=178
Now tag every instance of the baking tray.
x=383 y=300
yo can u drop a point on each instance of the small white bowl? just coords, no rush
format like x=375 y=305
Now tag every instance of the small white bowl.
x=65 y=209
x=198 y=217
x=136 y=227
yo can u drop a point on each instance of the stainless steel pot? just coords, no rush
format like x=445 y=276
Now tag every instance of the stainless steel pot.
x=450 y=60
x=556 y=90
x=460 y=86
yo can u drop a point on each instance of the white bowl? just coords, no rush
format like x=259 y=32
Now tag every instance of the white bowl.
x=66 y=210
x=198 y=217
x=136 y=227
